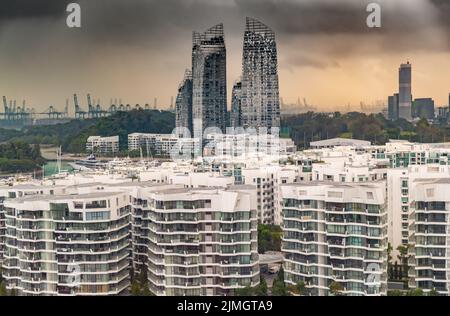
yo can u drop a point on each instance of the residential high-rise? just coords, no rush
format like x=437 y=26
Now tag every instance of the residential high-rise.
x=236 y=105
x=335 y=233
x=260 y=95
x=209 y=85
x=201 y=241
x=183 y=103
x=429 y=235
x=68 y=244
x=2 y=229
x=405 y=93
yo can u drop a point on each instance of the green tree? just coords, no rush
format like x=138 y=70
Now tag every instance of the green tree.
x=245 y=291
x=433 y=292
x=3 y=290
x=146 y=291
x=415 y=292
x=395 y=293
x=279 y=287
x=143 y=280
x=336 y=288
x=301 y=288
x=261 y=289
x=269 y=238
x=403 y=257
x=135 y=288
x=389 y=253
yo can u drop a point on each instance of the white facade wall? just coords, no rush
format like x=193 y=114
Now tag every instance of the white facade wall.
x=335 y=233
x=103 y=145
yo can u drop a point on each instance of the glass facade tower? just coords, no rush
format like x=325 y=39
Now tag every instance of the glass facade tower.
x=209 y=80
x=260 y=95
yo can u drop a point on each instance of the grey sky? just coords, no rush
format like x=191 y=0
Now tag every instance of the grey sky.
x=138 y=49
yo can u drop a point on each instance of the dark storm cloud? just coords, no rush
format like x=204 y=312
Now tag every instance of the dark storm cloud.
x=163 y=21
x=155 y=37
x=443 y=6
x=300 y=17
x=23 y=9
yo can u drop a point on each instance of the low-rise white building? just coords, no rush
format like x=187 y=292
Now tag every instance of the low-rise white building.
x=102 y=145
x=163 y=145
x=336 y=142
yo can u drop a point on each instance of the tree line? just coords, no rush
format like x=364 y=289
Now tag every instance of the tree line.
x=308 y=127
x=72 y=135
x=19 y=156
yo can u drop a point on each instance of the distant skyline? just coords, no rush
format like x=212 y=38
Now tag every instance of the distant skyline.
x=137 y=50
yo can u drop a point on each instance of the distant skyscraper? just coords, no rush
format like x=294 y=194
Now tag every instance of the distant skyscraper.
x=183 y=104
x=209 y=80
x=405 y=95
x=260 y=95
x=423 y=108
x=393 y=107
x=236 y=102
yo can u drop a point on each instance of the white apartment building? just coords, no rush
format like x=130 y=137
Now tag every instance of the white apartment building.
x=199 y=241
x=11 y=192
x=160 y=144
x=268 y=181
x=429 y=235
x=67 y=244
x=102 y=145
x=198 y=180
x=82 y=238
x=400 y=197
x=140 y=140
x=335 y=232
x=339 y=142
x=2 y=229
x=403 y=153
x=338 y=208
x=242 y=144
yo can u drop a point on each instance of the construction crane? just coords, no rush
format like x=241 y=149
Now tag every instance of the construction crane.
x=95 y=109
x=78 y=112
x=12 y=112
x=5 y=108
x=52 y=113
x=66 y=108
x=89 y=103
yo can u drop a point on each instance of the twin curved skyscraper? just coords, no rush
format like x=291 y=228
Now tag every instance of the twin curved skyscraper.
x=202 y=96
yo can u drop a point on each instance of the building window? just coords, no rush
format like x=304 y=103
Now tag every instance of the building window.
x=97 y=216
